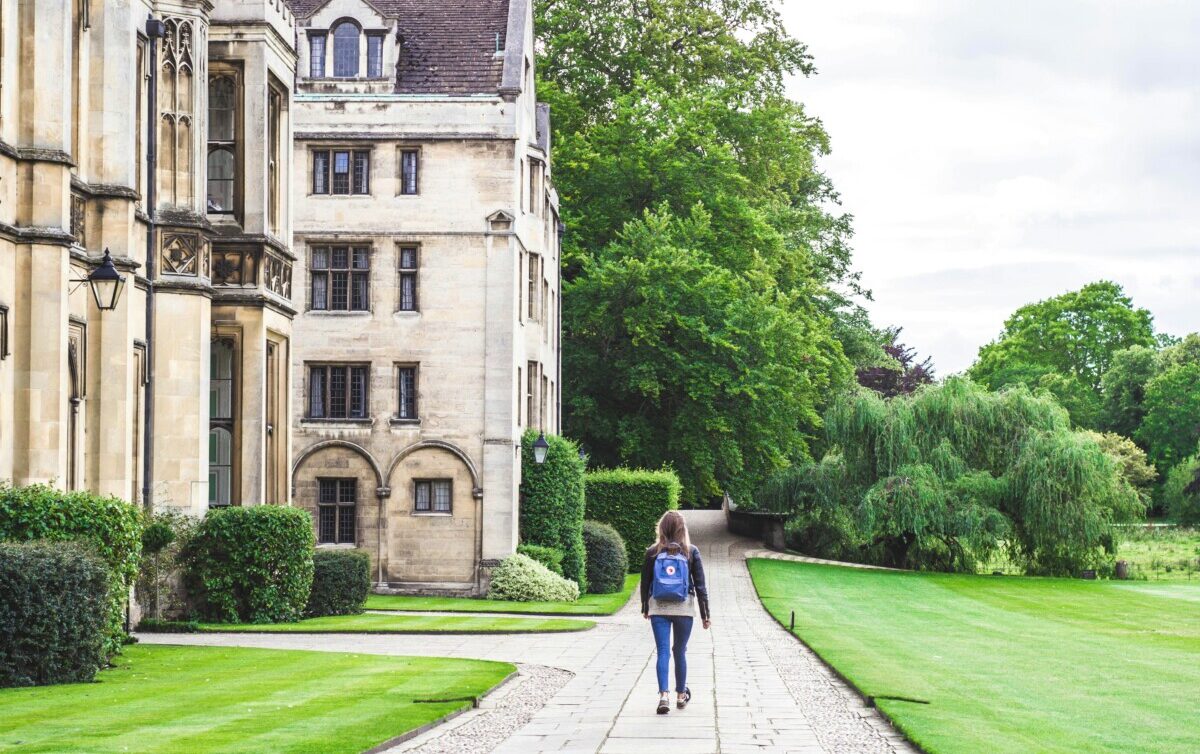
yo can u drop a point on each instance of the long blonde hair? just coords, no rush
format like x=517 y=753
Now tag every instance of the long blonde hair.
x=672 y=530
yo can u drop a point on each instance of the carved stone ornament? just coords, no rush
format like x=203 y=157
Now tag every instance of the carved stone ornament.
x=180 y=253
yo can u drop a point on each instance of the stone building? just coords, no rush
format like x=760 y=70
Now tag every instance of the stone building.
x=161 y=131
x=427 y=231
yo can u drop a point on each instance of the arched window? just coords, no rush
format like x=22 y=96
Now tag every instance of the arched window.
x=345 y=49
x=222 y=144
x=221 y=424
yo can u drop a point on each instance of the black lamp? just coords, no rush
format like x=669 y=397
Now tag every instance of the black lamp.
x=106 y=284
x=540 y=446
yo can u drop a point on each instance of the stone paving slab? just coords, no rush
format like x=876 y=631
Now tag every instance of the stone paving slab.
x=755 y=687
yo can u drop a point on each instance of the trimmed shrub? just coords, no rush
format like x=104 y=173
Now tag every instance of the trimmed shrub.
x=153 y=626
x=631 y=501
x=551 y=557
x=251 y=565
x=1181 y=493
x=607 y=562
x=522 y=579
x=341 y=583
x=54 y=611
x=110 y=527
x=552 y=502
x=160 y=590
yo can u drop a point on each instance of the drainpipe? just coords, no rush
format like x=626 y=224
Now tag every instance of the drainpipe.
x=155 y=30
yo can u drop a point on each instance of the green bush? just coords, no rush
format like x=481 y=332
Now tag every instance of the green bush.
x=251 y=565
x=111 y=527
x=522 y=579
x=631 y=501
x=552 y=502
x=341 y=582
x=607 y=562
x=1181 y=493
x=551 y=557
x=154 y=626
x=53 y=613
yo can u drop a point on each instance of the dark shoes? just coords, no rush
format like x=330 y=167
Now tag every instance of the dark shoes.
x=663 y=705
x=683 y=700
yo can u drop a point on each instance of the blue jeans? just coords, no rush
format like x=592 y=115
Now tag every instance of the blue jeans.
x=662 y=625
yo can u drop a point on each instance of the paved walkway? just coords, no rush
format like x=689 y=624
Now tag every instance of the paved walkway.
x=756 y=689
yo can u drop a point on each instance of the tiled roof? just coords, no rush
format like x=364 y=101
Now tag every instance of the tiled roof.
x=447 y=46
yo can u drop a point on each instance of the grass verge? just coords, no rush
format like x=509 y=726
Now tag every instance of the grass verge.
x=167 y=699
x=1005 y=664
x=588 y=604
x=406 y=624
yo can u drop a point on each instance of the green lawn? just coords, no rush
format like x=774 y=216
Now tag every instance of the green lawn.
x=407 y=624
x=1006 y=664
x=588 y=604
x=166 y=700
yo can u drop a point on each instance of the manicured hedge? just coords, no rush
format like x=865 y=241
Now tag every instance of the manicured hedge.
x=54 y=610
x=522 y=579
x=607 y=562
x=341 y=583
x=551 y=557
x=631 y=501
x=110 y=527
x=251 y=565
x=552 y=502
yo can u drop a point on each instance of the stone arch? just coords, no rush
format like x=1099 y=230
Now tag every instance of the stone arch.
x=380 y=479
x=439 y=445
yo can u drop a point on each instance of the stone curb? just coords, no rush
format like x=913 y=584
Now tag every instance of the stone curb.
x=397 y=740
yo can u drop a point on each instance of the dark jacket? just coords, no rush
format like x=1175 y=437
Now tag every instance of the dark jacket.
x=699 y=586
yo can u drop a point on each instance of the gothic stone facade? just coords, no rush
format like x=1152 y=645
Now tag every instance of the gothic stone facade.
x=168 y=144
x=427 y=231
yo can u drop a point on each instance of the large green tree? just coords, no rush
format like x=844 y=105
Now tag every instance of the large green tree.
x=680 y=360
x=1065 y=345
x=1171 y=428
x=671 y=116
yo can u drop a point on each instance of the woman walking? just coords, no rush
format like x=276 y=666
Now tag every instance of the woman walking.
x=672 y=584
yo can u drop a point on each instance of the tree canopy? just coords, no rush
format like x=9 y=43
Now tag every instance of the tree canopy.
x=1065 y=345
x=670 y=117
x=901 y=377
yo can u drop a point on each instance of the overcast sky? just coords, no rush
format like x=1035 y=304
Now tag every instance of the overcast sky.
x=997 y=153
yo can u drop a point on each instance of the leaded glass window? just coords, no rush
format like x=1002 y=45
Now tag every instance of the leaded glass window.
x=337 y=501
x=345 y=49
x=432 y=496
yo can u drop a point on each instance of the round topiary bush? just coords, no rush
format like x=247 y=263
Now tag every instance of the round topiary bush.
x=54 y=607
x=251 y=565
x=551 y=557
x=522 y=579
x=341 y=583
x=606 y=559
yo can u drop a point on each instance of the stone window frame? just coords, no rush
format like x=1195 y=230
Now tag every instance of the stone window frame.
x=339 y=507
x=327 y=395
x=408 y=272
x=232 y=70
x=352 y=176
x=231 y=333
x=323 y=35
x=328 y=272
x=416 y=392
x=430 y=510
x=402 y=184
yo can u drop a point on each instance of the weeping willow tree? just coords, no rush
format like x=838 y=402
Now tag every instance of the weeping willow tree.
x=941 y=479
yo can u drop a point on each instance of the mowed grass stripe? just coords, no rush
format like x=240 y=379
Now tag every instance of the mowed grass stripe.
x=369 y=623
x=588 y=604
x=161 y=699
x=1008 y=664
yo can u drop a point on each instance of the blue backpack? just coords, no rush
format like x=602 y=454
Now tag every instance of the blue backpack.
x=671 y=579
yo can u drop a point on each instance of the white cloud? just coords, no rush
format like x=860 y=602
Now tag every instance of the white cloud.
x=997 y=153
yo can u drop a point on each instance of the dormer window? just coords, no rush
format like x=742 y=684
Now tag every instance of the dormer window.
x=345 y=49
x=375 y=55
